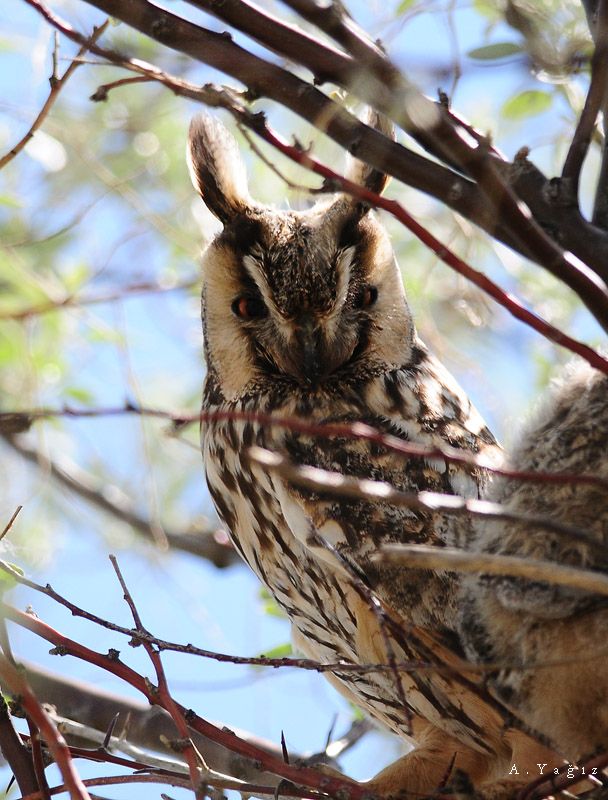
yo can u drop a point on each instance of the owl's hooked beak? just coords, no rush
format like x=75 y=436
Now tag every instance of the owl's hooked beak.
x=312 y=363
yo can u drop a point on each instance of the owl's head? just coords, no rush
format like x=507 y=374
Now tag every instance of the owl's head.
x=308 y=297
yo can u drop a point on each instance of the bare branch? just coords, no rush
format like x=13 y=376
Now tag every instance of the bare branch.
x=22 y=420
x=419 y=556
x=15 y=754
x=451 y=188
x=76 y=301
x=204 y=543
x=596 y=100
x=300 y=775
x=147 y=727
x=597 y=15
x=163 y=696
x=336 y=484
x=14 y=681
x=57 y=84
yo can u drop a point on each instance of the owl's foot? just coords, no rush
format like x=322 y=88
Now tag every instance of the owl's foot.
x=437 y=763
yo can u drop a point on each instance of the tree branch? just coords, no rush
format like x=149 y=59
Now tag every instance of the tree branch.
x=335 y=484
x=15 y=753
x=14 y=681
x=458 y=193
x=203 y=543
x=596 y=100
x=148 y=727
x=57 y=84
x=597 y=18
x=419 y=556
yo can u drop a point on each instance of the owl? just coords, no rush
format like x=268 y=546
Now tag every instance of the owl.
x=554 y=634
x=305 y=317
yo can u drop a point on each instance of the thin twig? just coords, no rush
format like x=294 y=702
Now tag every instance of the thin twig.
x=300 y=775
x=57 y=84
x=11 y=522
x=597 y=97
x=105 y=495
x=419 y=556
x=102 y=91
x=164 y=698
x=248 y=789
x=22 y=420
x=76 y=301
x=15 y=682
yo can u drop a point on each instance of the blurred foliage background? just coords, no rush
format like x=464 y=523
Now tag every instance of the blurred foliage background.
x=100 y=235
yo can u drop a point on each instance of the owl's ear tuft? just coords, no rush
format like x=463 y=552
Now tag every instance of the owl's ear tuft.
x=362 y=173
x=216 y=168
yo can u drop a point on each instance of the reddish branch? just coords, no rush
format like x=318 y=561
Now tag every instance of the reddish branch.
x=300 y=775
x=513 y=225
x=507 y=301
x=14 y=681
x=22 y=420
x=189 y=649
x=163 y=695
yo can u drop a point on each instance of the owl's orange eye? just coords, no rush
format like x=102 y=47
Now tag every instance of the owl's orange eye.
x=249 y=308
x=367 y=297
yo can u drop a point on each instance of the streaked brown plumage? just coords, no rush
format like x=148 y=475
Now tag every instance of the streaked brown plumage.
x=304 y=316
x=557 y=634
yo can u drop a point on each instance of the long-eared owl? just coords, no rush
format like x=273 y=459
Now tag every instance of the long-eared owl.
x=305 y=316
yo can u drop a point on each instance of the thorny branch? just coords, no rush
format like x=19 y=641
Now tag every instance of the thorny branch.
x=11 y=678
x=164 y=698
x=267 y=79
x=57 y=84
x=48 y=686
x=21 y=421
x=141 y=727
x=300 y=775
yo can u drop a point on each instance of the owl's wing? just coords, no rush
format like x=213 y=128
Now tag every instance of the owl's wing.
x=423 y=404
x=566 y=434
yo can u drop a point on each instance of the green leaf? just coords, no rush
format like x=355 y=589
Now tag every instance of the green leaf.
x=81 y=395
x=11 y=202
x=404 y=6
x=7 y=581
x=280 y=651
x=526 y=104
x=270 y=605
x=492 y=52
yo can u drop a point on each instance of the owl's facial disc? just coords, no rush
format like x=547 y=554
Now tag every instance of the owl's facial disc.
x=308 y=292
